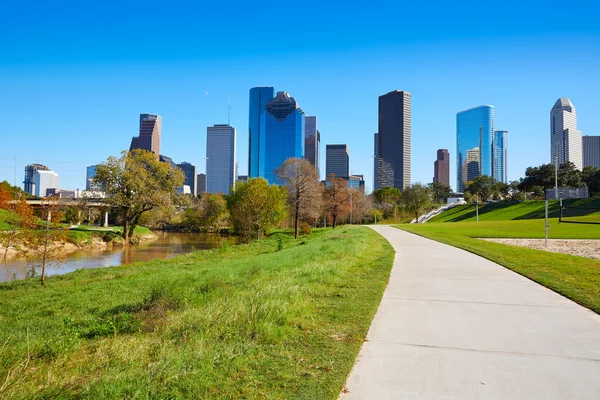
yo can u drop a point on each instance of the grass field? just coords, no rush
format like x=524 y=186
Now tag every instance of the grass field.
x=3 y=225
x=574 y=277
x=275 y=319
x=525 y=210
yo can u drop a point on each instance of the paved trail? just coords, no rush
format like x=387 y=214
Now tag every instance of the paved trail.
x=453 y=325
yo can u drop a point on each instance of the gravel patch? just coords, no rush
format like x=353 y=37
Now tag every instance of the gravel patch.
x=574 y=247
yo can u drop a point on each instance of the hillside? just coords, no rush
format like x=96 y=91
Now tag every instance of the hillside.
x=581 y=210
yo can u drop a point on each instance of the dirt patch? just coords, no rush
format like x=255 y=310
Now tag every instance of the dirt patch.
x=574 y=247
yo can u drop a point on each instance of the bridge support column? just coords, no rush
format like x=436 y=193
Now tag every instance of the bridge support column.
x=106 y=219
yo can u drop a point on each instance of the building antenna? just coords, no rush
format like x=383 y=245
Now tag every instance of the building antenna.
x=229 y=110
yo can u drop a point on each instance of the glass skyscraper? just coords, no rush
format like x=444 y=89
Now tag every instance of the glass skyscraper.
x=474 y=135
x=312 y=140
x=220 y=158
x=259 y=97
x=499 y=156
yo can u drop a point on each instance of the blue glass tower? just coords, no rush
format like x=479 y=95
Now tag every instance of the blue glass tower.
x=499 y=156
x=259 y=97
x=474 y=135
x=281 y=135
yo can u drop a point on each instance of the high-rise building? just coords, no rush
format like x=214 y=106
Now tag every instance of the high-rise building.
x=220 y=154
x=337 y=161
x=149 y=134
x=591 y=151
x=356 y=182
x=312 y=141
x=189 y=171
x=441 y=167
x=393 y=149
x=44 y=180
x=29 y=181
x=375 y=160
x=90 y=173
x=259 y=97
x=201 y=183
x=565 y=139
x=281 y=136
x=474 y=134
x=168 y=160
x=499 y=143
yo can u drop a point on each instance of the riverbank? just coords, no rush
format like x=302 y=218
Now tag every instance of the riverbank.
x=277 y=318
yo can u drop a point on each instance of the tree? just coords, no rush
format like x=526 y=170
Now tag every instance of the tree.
x=135 y=183
x=15 y=191
x=481 y=186
x=304 y=190
x=440 y=192
x=569 y=175
x=5 y=198
x=20 y=219
x=387 y=199
x=416 y=199
x=255 y=206
x=591 y=177
x=335 y=197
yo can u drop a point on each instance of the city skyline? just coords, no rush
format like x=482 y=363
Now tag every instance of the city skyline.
x=54 y=88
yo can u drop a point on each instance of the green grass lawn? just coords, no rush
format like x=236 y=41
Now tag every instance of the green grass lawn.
x=3 y=224
x=588 y=211
x=247 y=321
x=574 y=277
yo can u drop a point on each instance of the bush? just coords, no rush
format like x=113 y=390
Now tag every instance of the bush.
x=305 y=228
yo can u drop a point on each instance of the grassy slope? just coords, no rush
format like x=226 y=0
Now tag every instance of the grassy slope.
x=577 y=278
x=240 y=322
x=505 y=211
x=3 y=224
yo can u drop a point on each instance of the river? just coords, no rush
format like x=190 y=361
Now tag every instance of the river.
x=167 y=245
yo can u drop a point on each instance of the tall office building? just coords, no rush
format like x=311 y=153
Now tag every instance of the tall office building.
x=474 y=135
x=375 y=160
x=259 y=97
x=441 y=167
x=591 y=151
x=201 y=183
x=149 y=134
x=29 y=181
x=393 y=149
x=499 y=143
x=312 y=141
x=220 y=154
x=565 y=139
x=337 y=161
x=90 y=173
x=44 y=180
x=189 y=171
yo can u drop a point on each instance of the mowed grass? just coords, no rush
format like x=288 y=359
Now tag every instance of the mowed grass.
x=574 y=277
x=250 y=321
x=581 y=210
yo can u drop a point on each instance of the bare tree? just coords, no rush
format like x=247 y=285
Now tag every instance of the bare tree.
x=335 y=197
x=303 y=188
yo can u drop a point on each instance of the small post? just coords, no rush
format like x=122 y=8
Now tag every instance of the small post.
x=561 y=210
x=375 y=217
x=106 y=219
x=547 y=225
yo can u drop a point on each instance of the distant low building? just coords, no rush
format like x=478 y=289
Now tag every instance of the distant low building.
x=61 y=193
x=185 y=189
x=356 y=182
x=242 y=178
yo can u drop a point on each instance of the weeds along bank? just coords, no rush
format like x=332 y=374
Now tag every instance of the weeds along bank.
x=277 y=318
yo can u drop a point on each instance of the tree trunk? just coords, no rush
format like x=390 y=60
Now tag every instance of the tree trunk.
x=334 y=219
x=125 y=234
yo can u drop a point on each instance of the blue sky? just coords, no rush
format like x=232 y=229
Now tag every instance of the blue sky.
x=74 y=76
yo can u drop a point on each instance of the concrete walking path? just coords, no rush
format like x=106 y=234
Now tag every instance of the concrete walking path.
x=453 y=325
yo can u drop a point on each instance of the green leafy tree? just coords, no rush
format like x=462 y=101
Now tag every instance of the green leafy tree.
x=304 y=190
x=335 y=197
x=135 y=183
x=255 y=206
x=569 y=175
x=482 y=187
x=15 y=191
x=440 y=192
x=387 y=199
x=591 y=177
x=416 y=198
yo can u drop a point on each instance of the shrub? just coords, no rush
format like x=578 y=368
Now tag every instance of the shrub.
x=305 y=228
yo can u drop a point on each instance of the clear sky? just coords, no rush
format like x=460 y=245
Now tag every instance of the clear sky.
x=75 y=75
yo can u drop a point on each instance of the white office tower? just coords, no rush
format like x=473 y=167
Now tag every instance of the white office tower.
x=45 y=180
x=565 y=139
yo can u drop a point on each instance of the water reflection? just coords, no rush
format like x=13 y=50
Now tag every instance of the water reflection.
x=168 y=245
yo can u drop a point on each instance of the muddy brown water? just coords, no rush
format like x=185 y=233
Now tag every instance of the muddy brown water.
x=167 y=245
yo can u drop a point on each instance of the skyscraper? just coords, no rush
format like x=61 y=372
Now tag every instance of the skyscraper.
x=189 y=171
x=281 y=135
x=44 y=180
x=393 y=150
x=90 y=173
x=220 y=154
x=337 y=161
x=312 y=141
x=375 y=160
x=591 y=151
x=441 y=167
x=499 y=144
x=201 y=183
x=149 y=135
x=29 y=181
x=259 y=97
x=474 y=134
x=565 y=139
